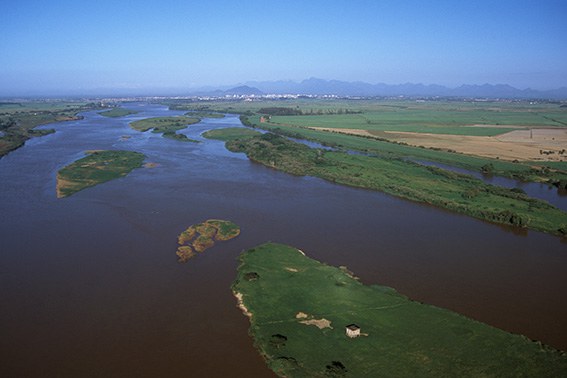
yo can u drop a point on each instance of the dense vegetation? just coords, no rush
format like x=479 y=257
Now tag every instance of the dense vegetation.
x=200 y=237
x=405 y=179
x=96 y=168
x=118 y=112
x=166 y=126
x=548 y=172
x=204 y=114
x=18 y=120
x=299 y=309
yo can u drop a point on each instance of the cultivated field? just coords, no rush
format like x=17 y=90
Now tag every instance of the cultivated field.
x=533 y=144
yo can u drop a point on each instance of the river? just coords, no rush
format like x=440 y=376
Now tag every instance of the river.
x=90 y=285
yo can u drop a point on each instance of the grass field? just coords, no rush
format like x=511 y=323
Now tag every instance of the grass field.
x=118 y=112
x=405 y=179
x=96 y=168
x=229 y=133
x=299 y=309
x=398 y=113
x=503 y=132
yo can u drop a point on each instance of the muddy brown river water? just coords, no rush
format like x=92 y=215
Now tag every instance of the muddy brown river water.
x=90 y=284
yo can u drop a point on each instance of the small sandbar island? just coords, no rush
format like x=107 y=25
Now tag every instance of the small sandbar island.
x=309 y=319
x=200 y=237
x=167 y=126
x=96 y=168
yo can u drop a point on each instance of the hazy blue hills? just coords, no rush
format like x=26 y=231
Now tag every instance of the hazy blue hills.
x=314 y=86
x=244 y=90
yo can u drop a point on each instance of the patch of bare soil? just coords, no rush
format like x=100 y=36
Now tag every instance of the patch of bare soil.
x=538 y=144
x=62 y=184
x=241 y=305
x=319 y=323
x=310 y=320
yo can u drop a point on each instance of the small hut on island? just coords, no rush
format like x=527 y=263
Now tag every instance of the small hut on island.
x=352 y=330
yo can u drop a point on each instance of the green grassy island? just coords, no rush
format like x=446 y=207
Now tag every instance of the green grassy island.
x=167 y=126
x=431 y=185
x=299 y=310
x=200 y=237
x=96 y=168
x=118 y=112
x=230 y=133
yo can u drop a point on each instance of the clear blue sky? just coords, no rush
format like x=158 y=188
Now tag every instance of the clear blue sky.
x=80 y=45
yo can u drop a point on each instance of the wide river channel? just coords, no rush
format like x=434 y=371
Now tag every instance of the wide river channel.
x=90 y=284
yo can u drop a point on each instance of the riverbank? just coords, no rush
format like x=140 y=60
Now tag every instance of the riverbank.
x=18 y=120
x=438 y=187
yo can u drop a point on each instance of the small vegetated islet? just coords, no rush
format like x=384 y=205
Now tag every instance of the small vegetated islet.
x=167 y=126
x=202 y=236
x=96 y=168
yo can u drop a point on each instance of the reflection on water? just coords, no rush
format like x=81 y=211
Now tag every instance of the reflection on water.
x=90 y=285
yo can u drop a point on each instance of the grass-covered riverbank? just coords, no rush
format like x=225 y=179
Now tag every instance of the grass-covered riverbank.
x=547 y=172
x=408 y=180
x=299 y=309
x=96 y=168
x=18 y=120
x=168 y=126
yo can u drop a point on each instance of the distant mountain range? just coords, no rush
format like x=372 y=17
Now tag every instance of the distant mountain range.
x=314 y=86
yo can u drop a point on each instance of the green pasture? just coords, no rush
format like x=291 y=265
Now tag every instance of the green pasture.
x=229 y=133
x=399 y=337
x=395 y=113
x=435 y=118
